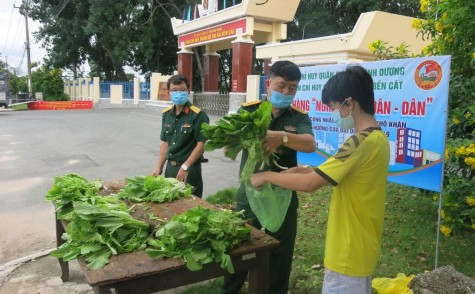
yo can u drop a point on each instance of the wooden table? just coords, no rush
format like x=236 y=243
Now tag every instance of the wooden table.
x=137 y=273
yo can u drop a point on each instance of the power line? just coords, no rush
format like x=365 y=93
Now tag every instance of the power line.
x=15 y=40
x=60 y=7
x=9 y=25
x=22 y=58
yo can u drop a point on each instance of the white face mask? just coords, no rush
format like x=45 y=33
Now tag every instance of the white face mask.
x=345 y=123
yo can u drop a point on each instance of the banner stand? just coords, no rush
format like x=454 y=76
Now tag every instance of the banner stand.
x=438 y=230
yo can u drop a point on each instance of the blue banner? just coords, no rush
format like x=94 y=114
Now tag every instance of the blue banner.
x=411 y=98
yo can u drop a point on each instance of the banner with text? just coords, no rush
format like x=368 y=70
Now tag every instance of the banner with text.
x=411 y=98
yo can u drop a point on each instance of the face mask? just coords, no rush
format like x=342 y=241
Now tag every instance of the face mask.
x=280 y=100
x=179 y=97
x=345 y=123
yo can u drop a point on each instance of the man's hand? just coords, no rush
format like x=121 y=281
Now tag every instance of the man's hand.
x=182 y=175
x=158 y=171
x=272 y=140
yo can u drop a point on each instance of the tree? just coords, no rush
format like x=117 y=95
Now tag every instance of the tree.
x=317 y=18
x=110 y=35
x=50 y=83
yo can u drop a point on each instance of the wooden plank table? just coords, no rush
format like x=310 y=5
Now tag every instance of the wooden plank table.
x=137 y=273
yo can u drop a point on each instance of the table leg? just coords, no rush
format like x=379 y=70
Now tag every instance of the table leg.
x=259 y=275
x=63 y=264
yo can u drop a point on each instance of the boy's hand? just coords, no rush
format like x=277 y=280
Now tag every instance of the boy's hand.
x=259 y=180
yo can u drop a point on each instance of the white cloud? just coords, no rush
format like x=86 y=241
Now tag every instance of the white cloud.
x=13 y=37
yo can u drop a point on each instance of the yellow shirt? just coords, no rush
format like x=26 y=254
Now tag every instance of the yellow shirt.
x=355 y=222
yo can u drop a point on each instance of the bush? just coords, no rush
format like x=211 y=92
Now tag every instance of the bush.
x=458 y=211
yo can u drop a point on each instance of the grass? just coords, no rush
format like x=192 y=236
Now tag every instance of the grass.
x=20 y=107
x=408 y=243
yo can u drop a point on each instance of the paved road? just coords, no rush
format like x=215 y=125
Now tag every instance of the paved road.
x=107 y=144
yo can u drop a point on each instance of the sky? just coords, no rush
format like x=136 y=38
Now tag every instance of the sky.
x=13 y=37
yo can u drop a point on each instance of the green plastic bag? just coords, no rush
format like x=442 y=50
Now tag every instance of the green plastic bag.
x=269 y=205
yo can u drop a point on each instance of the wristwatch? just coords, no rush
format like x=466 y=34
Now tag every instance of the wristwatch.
x=184 y=167
x=285 y=139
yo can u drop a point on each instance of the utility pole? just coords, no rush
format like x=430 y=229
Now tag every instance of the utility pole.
x=27 y=46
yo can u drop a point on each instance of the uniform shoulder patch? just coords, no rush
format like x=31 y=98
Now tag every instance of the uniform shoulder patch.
x=168 y=109
x=195 y=109
x=298 y=109
x=251 y=103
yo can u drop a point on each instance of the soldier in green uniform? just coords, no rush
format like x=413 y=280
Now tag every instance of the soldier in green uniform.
x=290 y=131
x=182 y=144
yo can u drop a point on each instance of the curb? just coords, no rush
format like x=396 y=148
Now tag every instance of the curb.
x=9 y=267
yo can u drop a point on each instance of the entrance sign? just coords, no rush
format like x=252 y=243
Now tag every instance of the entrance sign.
x=411 y=97
x=211 y=34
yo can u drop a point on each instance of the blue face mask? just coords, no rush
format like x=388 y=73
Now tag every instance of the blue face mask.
x=279 y=100
x=345 y=123
x=179 y=97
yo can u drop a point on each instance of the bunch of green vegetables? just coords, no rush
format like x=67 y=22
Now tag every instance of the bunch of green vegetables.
x=200 y=236
x=98 y=226
x=70 y=188
x=154 y=189
x=243 y=130
x=99 y=231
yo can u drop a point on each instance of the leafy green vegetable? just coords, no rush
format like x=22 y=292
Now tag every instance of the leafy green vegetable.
x=70 y=188
x=98 y=226
x=99 y=231
x=200 y=236
x=243 y=130
x=154 y=189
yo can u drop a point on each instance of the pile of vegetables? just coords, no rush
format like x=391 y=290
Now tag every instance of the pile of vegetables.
x=243 y=130
x=98 y=226
x=101 y=226
x=200 y=236
x=154 y=189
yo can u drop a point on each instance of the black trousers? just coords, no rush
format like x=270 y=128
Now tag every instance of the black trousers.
x=280 y=259
x=194 y=176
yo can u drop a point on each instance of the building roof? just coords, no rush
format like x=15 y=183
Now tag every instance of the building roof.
x=350 y=47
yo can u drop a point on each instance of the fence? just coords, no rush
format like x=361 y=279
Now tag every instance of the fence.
x=144 y=91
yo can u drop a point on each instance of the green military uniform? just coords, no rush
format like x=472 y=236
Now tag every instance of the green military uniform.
x=291 y=120
x=182 y=132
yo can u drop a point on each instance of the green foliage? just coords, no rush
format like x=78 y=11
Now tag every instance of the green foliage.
x=384 y=52
x=226 y=196
x=98 y=226
x=50 y=83
x=458 y=212
x=448 y=24
x=110 y=35
x=317 y=18
x=462 y=123
x=68 y=189
x=154 y=189
x=200 y=236
x=18 y=84
x=238 y=131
